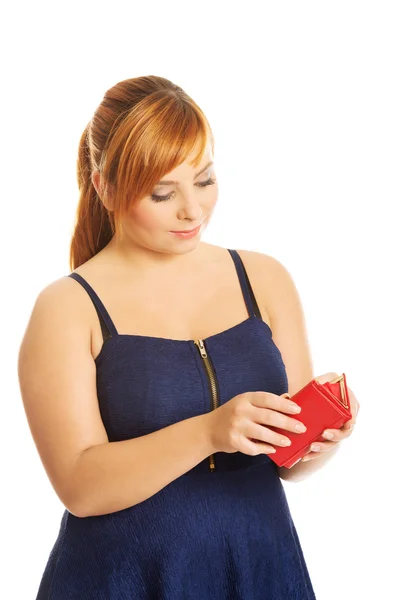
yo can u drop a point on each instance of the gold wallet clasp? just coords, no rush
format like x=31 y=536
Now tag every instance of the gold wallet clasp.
x=340 y=380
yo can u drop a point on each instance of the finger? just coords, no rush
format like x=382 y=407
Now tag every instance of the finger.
x=336 y=435
x=264 y=434
x=253 y=446
x=286 y=405
x=323 y=447
x=354 y=403
x=311 y=456
x=267 y=416
x=268 y=400
x=320 y=447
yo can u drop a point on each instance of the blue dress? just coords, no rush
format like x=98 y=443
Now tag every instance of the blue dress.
x=221 y=531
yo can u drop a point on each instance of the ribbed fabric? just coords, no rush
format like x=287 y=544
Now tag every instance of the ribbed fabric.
x=222 y=535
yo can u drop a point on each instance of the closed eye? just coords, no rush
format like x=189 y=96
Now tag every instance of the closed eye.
x=168 y=196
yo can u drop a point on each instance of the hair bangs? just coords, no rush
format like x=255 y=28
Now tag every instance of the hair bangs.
x=155 y=138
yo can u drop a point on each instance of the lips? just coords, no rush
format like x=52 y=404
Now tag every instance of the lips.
x=188 y=230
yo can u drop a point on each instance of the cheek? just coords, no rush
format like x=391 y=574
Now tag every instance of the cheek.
x=147 y=219
x=212 y=200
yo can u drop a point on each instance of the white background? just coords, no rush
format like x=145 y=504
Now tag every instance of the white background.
x=303 y=98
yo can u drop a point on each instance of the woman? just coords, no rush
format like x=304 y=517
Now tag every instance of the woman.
x=150 y=376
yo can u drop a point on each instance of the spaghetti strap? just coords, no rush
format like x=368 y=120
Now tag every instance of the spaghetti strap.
x=108 y=328
x=248 y=294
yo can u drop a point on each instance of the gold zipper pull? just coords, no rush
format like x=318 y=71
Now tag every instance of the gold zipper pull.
x=201 y=347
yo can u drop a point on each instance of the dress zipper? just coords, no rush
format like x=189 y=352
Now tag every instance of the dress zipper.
x=213 y=385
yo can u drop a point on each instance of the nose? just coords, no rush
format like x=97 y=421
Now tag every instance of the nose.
x=190 y=209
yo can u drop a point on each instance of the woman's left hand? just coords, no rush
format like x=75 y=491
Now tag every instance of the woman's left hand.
x=337 y=435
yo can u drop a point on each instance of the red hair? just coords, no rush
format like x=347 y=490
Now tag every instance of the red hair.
x=143 y=128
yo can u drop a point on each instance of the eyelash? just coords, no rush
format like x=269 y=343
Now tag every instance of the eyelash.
x=164 y=198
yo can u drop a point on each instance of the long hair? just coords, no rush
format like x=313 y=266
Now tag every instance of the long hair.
x=143 y=128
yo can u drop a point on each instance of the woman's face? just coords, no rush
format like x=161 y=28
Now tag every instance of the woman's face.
x=184 y=199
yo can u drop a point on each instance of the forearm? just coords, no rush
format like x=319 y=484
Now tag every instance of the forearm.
x=301 y=470
x=116 y=475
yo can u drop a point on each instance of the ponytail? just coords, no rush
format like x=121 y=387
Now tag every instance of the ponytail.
x=93 y=228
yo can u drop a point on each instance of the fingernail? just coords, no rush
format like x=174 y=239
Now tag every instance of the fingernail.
x=328 y=435
x=315 y=448
x=300 y=427
x=294 y=407
x=286 y=442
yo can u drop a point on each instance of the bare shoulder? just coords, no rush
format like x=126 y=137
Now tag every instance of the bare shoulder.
x=265 y=263
x=268 y=276
x=57 y=313
x=62 y=302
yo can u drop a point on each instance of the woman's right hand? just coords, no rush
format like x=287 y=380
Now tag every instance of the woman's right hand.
x=241 y=424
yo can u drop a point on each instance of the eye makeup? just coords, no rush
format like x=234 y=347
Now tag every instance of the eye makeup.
x=202 y=184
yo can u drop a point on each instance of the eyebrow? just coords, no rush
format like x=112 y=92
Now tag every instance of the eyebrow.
x=170 y=182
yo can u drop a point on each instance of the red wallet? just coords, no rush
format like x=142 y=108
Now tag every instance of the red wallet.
x=323 y=406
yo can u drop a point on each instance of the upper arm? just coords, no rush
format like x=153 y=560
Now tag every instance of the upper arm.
x=288 y=324
x=57 y=378
x=288 y=327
